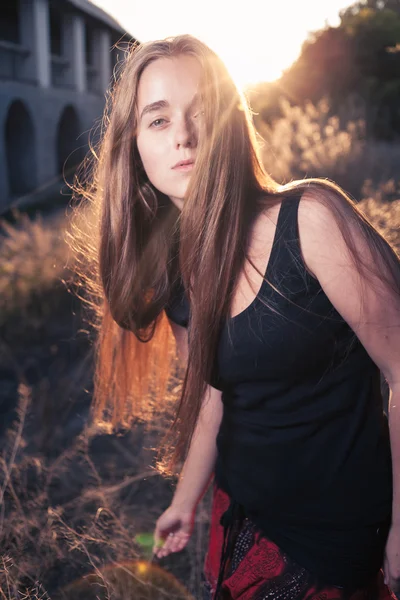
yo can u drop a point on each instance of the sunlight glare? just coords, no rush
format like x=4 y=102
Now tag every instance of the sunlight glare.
x=257 y=39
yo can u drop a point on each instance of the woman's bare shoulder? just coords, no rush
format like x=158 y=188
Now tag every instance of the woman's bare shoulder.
x=317 y=213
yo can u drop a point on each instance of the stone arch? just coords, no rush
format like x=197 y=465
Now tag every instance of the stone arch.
x=69 y=146
x=20 y=149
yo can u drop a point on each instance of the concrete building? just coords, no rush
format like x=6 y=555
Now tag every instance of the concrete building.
x=56 y=62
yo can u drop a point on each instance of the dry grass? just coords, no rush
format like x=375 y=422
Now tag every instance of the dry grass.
x=74 y=499
x=310 y=143
x=384 y=215
x=88 y=508
x=32 y=272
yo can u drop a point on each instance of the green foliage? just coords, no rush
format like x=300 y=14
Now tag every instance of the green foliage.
x=376 y=5
x=373 y=33
x=360 y=57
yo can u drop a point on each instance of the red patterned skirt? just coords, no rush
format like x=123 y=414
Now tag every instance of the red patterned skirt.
x=257 y=569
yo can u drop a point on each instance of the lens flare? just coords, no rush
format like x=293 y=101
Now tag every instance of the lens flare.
x=131 y=580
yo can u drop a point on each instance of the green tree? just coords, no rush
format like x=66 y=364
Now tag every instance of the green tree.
x=376 y=5
x=360 y=57
x=326 y=66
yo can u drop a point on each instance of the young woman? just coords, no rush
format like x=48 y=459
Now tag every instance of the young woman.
x=285 y=305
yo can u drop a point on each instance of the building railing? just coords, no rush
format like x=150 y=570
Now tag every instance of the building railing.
x=59 y=71
x=93 y=79
x=12 y=59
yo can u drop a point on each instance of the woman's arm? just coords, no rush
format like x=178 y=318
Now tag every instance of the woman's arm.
x=376 y=322
x=198 y=468
x=199 y=465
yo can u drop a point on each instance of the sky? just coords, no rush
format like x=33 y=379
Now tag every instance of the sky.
x=257 y=39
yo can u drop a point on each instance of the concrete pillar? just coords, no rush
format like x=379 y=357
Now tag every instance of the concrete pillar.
x=79 y=53
x=104 y=54
x=75 y=50
x=35 y=36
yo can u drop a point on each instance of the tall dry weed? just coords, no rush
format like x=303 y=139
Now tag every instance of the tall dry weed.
x=310 y=142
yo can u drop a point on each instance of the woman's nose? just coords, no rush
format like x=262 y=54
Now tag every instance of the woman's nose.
x=185 y=133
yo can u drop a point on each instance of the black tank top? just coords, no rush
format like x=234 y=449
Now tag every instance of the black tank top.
x=303 y=446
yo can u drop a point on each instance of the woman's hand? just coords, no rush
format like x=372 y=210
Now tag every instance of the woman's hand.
x=391 y=565
x=173 y=530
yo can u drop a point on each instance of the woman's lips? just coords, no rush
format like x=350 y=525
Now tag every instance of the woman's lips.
x=184 y=162
x=187 y=167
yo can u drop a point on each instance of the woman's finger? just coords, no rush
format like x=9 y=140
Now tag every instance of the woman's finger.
x=158 y=537
x=173 y=543
x=178 y=542
x=183 y=537
x=158 y=543
x=166 y=549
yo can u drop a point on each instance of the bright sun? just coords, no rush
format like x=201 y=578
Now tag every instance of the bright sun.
x=257 y=39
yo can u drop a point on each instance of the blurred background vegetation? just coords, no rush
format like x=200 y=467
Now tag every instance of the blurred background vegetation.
x=357 y=62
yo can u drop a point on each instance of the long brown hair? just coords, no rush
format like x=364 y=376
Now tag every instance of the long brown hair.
x=137 y=243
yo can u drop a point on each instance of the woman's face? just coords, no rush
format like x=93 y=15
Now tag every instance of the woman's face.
x=169 y=115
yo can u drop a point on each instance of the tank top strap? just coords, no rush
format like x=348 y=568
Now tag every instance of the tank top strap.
x=287 y=253
x=285 y=236
x=288 y=220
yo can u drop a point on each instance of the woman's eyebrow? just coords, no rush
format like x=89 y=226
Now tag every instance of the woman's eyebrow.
x=153 y=106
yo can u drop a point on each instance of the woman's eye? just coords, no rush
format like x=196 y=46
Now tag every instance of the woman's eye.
x=156 y=122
